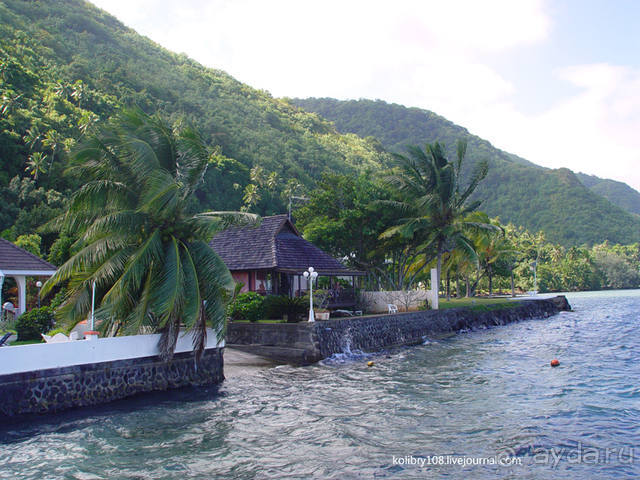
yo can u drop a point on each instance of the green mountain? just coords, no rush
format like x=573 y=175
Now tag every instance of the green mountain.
x=66 y=66
x=516 y=190
x=618 y=193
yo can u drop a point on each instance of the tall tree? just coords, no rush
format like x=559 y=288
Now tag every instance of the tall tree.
x=496 y=253
x=343 y=217
x=145 y=250
x=435 y=206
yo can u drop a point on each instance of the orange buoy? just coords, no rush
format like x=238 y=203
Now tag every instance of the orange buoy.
x=555 y=362
x=370 y=364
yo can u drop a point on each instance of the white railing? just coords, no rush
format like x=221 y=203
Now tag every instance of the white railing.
x=42 y=356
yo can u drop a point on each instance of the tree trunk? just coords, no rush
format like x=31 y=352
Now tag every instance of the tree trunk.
x=458 y=287
x=438 y=269
x=513 y=287
x=490 y=274
x=466 y=277
x=490 y=283
x=448 y=285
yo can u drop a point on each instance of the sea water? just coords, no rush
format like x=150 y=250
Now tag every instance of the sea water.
x=481 y=404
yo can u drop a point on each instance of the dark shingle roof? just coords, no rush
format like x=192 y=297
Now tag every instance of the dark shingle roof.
x=274 y=244
x=14 y=258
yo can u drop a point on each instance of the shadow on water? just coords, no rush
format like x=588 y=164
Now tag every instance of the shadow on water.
x=21 y=428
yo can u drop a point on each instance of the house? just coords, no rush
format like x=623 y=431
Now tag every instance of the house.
x=18 y=263
x=272 y=257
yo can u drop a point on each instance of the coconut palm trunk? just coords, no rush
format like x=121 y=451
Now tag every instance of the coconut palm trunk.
x=434 y=207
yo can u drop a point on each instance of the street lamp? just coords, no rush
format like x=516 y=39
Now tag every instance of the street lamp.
x=93 y=305
x=310 y=275
x=39 y=285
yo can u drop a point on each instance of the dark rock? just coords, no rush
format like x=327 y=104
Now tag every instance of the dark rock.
x=561 y=303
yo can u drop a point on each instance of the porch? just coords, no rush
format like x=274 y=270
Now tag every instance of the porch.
x=338 y=290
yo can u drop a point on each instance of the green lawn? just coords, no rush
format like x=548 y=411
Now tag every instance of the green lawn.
x=479 y=304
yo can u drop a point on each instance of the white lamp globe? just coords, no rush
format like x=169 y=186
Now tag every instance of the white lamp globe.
x=311 y=269
x=38 y=284
x=305 y=274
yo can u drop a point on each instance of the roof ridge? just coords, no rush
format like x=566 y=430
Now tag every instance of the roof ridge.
x=23 y=251
x=276 y=231
x=284 y=221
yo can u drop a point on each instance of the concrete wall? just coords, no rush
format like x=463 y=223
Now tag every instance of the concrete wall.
x=304 y=343
x=50 y=377
x=377 y=302
x=43 y=356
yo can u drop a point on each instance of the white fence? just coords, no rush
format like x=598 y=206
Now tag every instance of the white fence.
x=405 y=300
x=42 y=356
x=377 y=302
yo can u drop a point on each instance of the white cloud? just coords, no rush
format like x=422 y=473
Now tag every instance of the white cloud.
x=429 y=54
x=595 y=131
x=334 y=47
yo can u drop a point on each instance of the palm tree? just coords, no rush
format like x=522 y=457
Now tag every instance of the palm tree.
x=138 y=241
x=36 y=164
x=434 y=205
x=53 y=141
x=32 y=137
x=495 y=251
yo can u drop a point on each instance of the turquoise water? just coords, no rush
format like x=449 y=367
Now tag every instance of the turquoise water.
x=475 y=397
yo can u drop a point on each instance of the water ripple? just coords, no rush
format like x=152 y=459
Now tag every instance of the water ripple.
x=477 y=394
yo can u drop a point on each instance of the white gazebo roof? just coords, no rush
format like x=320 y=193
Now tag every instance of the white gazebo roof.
x=18 y=263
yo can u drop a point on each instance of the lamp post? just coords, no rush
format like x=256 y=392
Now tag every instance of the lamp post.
x=39 y=285
x=1 y=283
x=93 y=305
x=310 y=275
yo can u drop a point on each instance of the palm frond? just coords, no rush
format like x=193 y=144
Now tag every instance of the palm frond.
x=130 y=217
x=480 y=172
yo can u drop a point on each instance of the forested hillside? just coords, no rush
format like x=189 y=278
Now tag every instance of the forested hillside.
x=618 y=193
x=515 y=189
x=66 y=66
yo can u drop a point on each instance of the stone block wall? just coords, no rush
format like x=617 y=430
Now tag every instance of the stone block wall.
x=371 y=334
x=305 y=342
x=61 y=388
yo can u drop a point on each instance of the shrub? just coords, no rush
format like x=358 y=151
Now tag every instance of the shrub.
x=34 y=322
x=247 y=306
x=277 y=306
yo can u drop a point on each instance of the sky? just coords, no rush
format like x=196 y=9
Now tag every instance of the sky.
x=556 y=82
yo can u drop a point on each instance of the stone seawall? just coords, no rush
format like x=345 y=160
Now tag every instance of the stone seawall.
x=305 y=343
x=57 y=389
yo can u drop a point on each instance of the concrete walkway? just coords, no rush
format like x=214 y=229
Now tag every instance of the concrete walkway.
x=238 y=363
